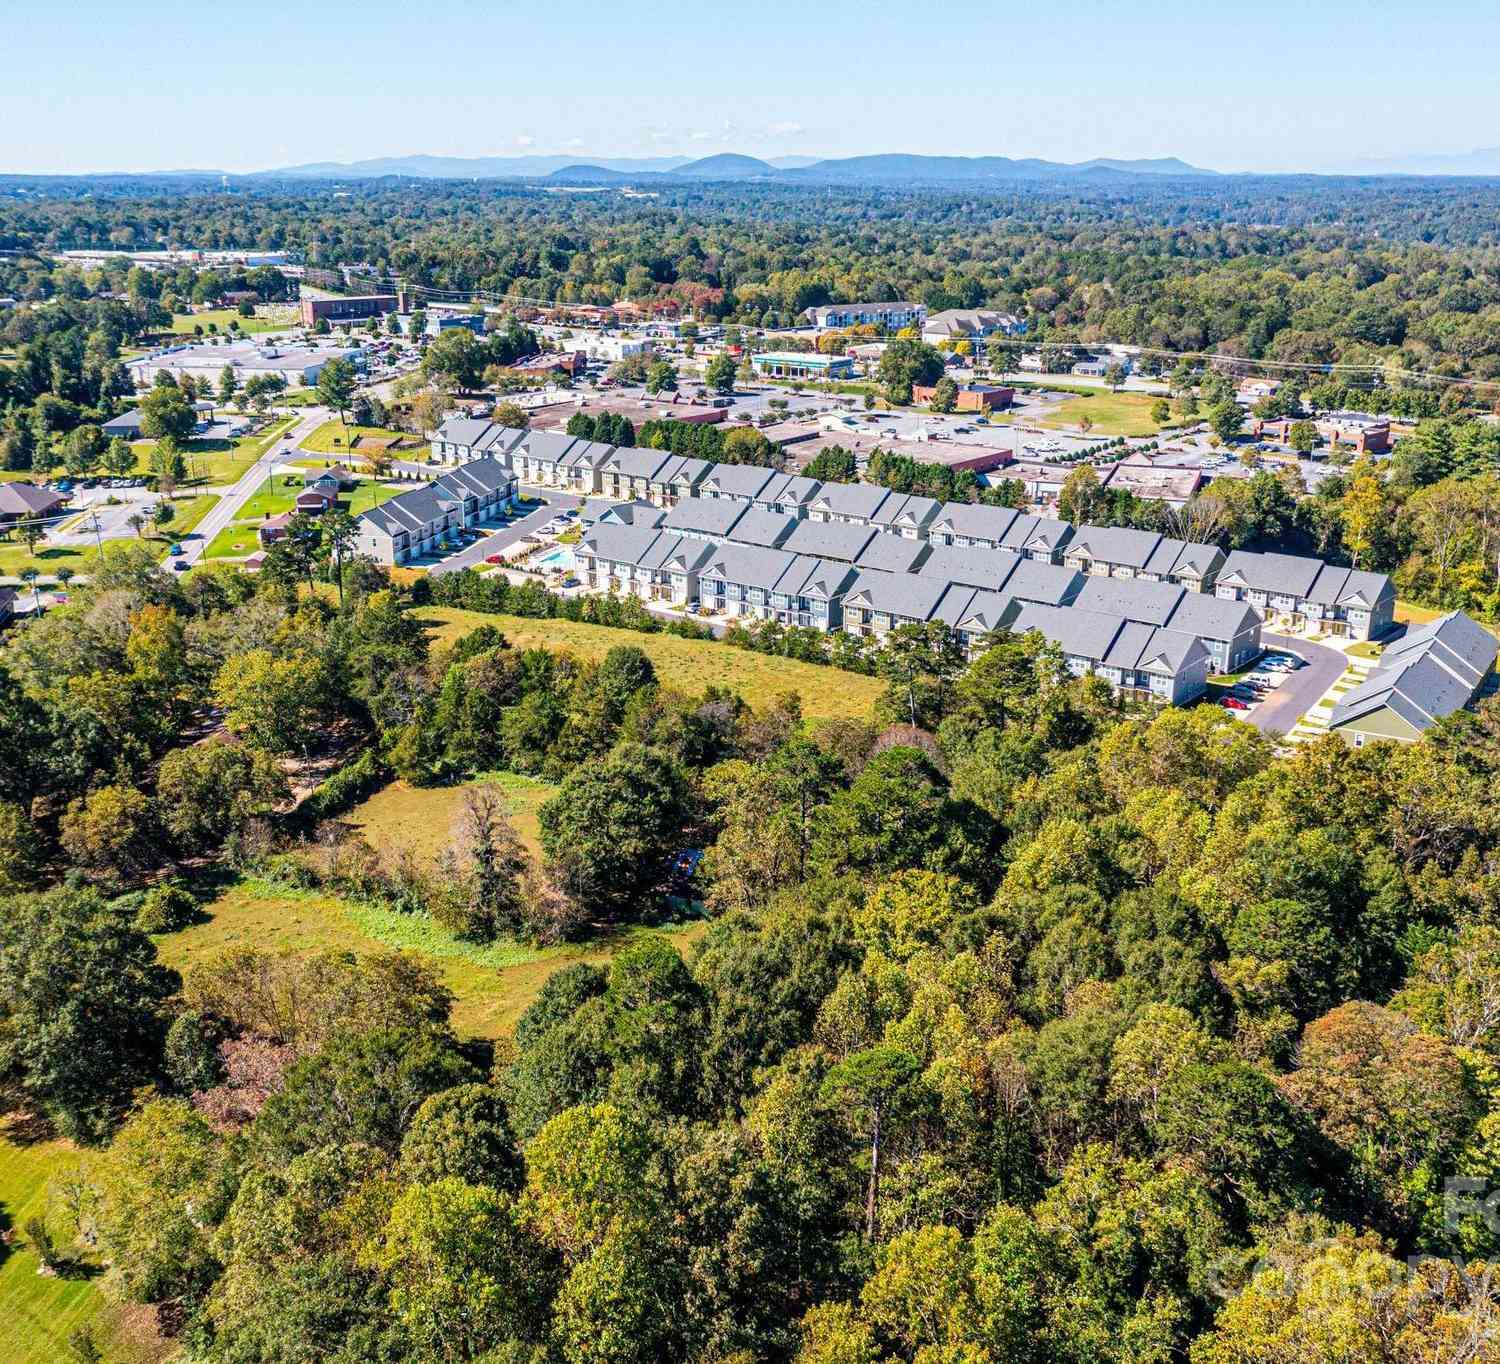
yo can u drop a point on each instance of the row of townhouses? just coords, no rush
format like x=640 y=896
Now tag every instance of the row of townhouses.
x=428 y=518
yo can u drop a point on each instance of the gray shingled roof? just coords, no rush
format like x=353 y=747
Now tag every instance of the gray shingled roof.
x=748 y=565
x=1084 y=634
x=633 y=462
x=828 y=539
x=1132 y=598
x=982 y=568
x=1284 y=574
x=790 y=490
x=463 y=430
x=547 y=446
x=1045 y=584
x=684 y=469
x=861 y=500
x=1210 y=617
x=704 y=516
x=760 y=527
x=1115 y=545
x=618 y=544
x=893 y=554
x=897 y=594
x=817 y=578
x=1431 y=672
x=738 y=480
x=899 y=510
x=974 y=521
x=1037 y=532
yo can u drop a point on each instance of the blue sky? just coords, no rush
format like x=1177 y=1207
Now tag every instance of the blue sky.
x=1283 y=85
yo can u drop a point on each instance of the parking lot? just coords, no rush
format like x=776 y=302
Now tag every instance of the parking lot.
x=1289 y=695
x=508 y=536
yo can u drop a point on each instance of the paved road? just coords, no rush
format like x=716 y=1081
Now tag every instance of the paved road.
x=228 y=506
x=1302 y=689
x=475 y=554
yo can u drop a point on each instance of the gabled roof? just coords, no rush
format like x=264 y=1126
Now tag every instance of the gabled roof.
x=477 y=478
x=587 y=453
x=598 y=510
x=546 y=447
x=1284 y=574
x=683 y=554
x=986 y=612
x=893 y=553
x=26 y=499
x=618 y=544
x=1195 y=560
x=737 y=480
x=820 y=578
x=704 y=516
x=988 y=569
x=1114 y=545
x=897 y=510
x=633 y=462
x=1431 y=672
x=829 y=539
x=1046 y=584
x=1084 y=634
x=897 y=594
x=760 y=527
x=1028 y=532
x=973 y=520
x=861 y=500
x=1348 y=587
x=1210 y=617
x=790 y=490
x=413 y=511
x=683 y=469
x=748 y=565
x=463 y=430
x=1130 y=598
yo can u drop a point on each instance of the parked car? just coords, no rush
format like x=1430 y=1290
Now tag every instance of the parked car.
x=494 y=558
x=1234 y=703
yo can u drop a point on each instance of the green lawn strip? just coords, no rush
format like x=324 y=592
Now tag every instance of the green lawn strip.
x=219 y=461
x=1112 y=414
x=332 y=439
x=688 y=664
x=279 y=321
x=277 y=495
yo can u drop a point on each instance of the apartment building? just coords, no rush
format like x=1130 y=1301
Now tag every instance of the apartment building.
x=892 y=316
x=1118 y=552
x=1294 y=592
x=427 y=519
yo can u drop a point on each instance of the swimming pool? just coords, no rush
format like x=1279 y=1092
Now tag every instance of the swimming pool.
x=558 y=557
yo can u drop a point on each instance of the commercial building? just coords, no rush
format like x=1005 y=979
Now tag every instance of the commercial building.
x=354 y=308
x=21 y=500
x=1433 y=671
x=892 y=316
x=776 y=364
x=970 y=324
x=970 y=397
x=295 y=365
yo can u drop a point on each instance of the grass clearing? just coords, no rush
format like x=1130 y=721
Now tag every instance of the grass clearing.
x=270 y=317
x=1112 y=414
x=276 y=495
x=492 y=984
x=688 y=664
x=38 y=1312
x=331 y=439
x=218 y=461
x=421 y=816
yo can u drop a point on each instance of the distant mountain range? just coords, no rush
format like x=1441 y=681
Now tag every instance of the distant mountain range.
x=1485 y=161
x=889 y=169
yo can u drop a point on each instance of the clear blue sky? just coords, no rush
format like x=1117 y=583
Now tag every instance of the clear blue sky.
x=1283 y=85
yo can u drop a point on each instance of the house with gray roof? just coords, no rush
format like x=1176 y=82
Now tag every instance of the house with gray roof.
x=426 y=519
x=642 y=562
x=757 y=526
x=538 y=456
x=680 y=477
x=1044 y=583
x=880 y=602
x=627 y=472
x=736 y=482
x=850 y=504
x=1229 y=630
x=578 y=470
x=828 y=540
x=1037 y=537
x=909 y=517
x=704 y=518
x=985 y=569
x=461 y=439
x=598 y=511
x=1296 y=592
x=740 y=580
x=969 y=525
x=810 y=594
x=892 y=554
x=788 y=494
x=1430 y=673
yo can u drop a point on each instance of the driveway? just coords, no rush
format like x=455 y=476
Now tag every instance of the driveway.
x=228 y=507
x=471 y=556
x=1302 y=689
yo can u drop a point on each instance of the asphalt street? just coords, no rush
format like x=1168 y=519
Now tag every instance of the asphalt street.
x=1301 y=690
x=502 y=539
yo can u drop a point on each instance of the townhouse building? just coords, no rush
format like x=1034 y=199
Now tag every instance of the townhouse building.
x=910 y=517
x=892 y=316
x=788 y=495
x=879 y=602
x=427 y=518
x=627 y=473
x=850 y=504
x=1430 y=673
x=892 y=553
x=704 y=518
x=680 y=477
x=1119 y=552
x=741 y=483
x=460 y=439
x=1293 y=592
x=1229 y=630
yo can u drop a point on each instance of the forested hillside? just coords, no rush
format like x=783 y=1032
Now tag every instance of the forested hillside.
x=1039 y=1030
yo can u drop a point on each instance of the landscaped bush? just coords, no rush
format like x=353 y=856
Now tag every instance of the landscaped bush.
x=165 y=909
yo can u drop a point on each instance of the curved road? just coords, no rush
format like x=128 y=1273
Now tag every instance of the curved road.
x=1302 y=689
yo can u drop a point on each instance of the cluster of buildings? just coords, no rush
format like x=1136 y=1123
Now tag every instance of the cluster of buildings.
x=1154 y=615
x=296 y=365
x=433 y=516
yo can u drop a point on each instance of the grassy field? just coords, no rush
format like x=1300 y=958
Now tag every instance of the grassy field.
x=14 y=558
x=38 y=1313
x=421 y=817
x=689 y=664
x=492 y=984
x=278 y=318
x=331 y=439
x=218 y=461
x=275 y=496
x=1113 y=414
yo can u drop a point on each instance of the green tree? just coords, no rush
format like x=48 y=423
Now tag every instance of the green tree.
x=718 y=374
x=1226 y=419
x=336 y=384
x=229 y=384
x=166 y=411
x=944 y=395
x=873 y=1089
x=273 y=703
x=661 y=377
x=205 y=792
x=462 y=1133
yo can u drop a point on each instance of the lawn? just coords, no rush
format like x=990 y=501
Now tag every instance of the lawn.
x=14 y=558
x=689 y=664
x=38 y=1313
x=1113 y=414
x=331 y=439
x=218 y=461
x=188 y=512
x=492 y=984
x=422 y=816
x=277 y=495
x=282 y=317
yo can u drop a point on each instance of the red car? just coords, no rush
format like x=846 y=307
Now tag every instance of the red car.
x=494 y=558
x=1233 y=703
